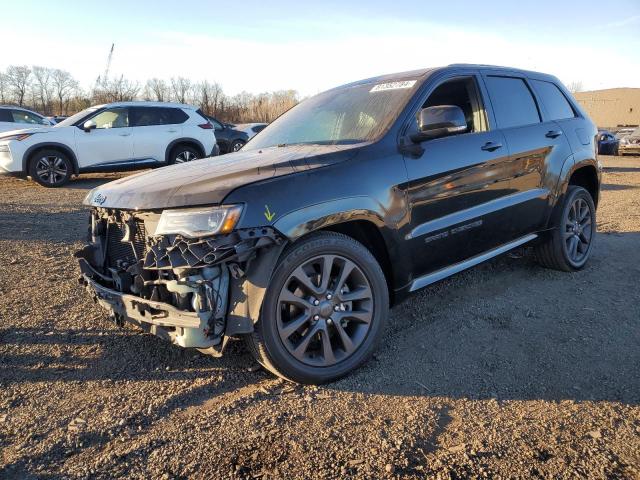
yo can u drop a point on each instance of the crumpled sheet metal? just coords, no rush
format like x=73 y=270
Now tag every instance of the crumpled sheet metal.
x=175 y=251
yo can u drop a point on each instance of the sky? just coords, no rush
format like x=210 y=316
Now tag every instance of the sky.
x=260 y=46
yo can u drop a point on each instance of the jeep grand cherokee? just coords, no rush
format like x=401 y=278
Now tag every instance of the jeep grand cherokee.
x=345 y=204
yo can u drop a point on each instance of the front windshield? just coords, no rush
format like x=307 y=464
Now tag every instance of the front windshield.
x=341 y=116
x=75 y=118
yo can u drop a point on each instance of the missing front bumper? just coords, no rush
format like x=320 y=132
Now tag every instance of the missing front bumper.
x=186 y=329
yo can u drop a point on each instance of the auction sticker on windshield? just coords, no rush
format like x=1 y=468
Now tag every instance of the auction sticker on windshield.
x=381 y=87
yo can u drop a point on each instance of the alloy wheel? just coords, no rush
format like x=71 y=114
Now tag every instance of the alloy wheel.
x=578 y=230
x=51 y=169
x=185 y=156
x=325 y=310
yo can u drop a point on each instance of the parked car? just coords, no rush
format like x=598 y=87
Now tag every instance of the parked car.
x=251 y=128
x=229 y=138
x=12 y=118
x=346 y=203
x=630 y=144
x=107 y=138
x=607 y=143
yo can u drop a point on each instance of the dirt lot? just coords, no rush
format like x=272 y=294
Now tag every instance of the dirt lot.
x=505 y=371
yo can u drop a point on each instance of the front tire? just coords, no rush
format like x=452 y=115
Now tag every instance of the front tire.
x=50 y=168
x=324 y=310
x=570 y=243
x=236 y=145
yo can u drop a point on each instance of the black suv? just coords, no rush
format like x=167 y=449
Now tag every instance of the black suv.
x=352 y=199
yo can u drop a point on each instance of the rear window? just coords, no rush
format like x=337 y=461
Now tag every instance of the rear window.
x=513 y=104
x=149 y=116
x=554 y=101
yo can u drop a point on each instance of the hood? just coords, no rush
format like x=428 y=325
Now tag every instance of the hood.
x=209 y=181
x=42 y=129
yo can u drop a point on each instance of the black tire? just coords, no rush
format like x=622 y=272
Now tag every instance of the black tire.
x=184 y=153
x=50 y=168
x=269 y=347
x=236 y=145
x=557 y=251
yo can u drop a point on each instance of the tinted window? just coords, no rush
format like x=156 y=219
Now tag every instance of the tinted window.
x=554 y=101
x=5 y=115
x=149 y=116
x=513 y=104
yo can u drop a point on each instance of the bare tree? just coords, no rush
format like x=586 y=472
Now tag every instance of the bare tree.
x=64 y=86
x=158 y=89
x=116 y=90
x=4 y=88
x=180 y=87
x=575 y=86
x=42 y=88
x=18 y=78
x=207 y=96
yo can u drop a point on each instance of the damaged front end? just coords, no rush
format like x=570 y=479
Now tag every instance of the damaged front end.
x=194 y=291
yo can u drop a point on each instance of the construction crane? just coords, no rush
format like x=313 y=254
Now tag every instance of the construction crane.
x=105 y=75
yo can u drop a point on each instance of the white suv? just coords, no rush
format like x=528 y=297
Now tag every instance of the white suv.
x=106 y=138
x=18 y=117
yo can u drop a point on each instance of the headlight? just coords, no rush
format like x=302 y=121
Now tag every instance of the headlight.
x=624 y=141
x=19 y=137
x=4 y=148
x=199 y=222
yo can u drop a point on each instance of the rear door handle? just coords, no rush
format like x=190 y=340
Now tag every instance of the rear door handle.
x=172 y=131
x=126 y=134
x=491 y=146
x=553 y=133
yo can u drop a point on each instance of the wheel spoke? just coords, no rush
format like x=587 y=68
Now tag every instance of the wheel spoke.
x=344 y=338
x=301 y=348
x=294 y=325
x=301 y=276
x=346 y=270
x=325 y=276
x=361 y=293
x=289 y=297
x=361 y=316
x=327 y=349
x=574 y=247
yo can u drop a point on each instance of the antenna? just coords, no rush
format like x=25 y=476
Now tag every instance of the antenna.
x=102 y=80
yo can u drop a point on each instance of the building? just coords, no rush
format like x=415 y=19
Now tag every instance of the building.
x=613 y=107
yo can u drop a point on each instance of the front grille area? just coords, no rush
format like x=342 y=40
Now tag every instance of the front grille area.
x=119 y=253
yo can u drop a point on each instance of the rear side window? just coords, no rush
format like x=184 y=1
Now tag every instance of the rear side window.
x=150 y=116
x=513 y=104
x=5 y=115
x=554 y=101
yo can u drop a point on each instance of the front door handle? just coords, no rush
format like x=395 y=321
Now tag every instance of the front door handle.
x=553 y=133
x=125 y=134
x=491 y=146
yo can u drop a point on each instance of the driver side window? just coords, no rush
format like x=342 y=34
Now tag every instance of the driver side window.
x=461 y=92
x=112 y=118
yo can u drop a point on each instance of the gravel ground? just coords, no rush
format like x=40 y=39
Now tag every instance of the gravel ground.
x=505 y=371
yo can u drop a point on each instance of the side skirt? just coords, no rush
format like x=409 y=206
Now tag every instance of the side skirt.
x=443 y=273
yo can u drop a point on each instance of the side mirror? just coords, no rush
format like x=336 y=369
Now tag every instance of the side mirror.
x=89 y=125
x=440 y=121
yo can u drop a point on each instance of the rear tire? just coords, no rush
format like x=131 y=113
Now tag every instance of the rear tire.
x=324 y=310
x=574 y=227
x=184 y=153
x=50 y=168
